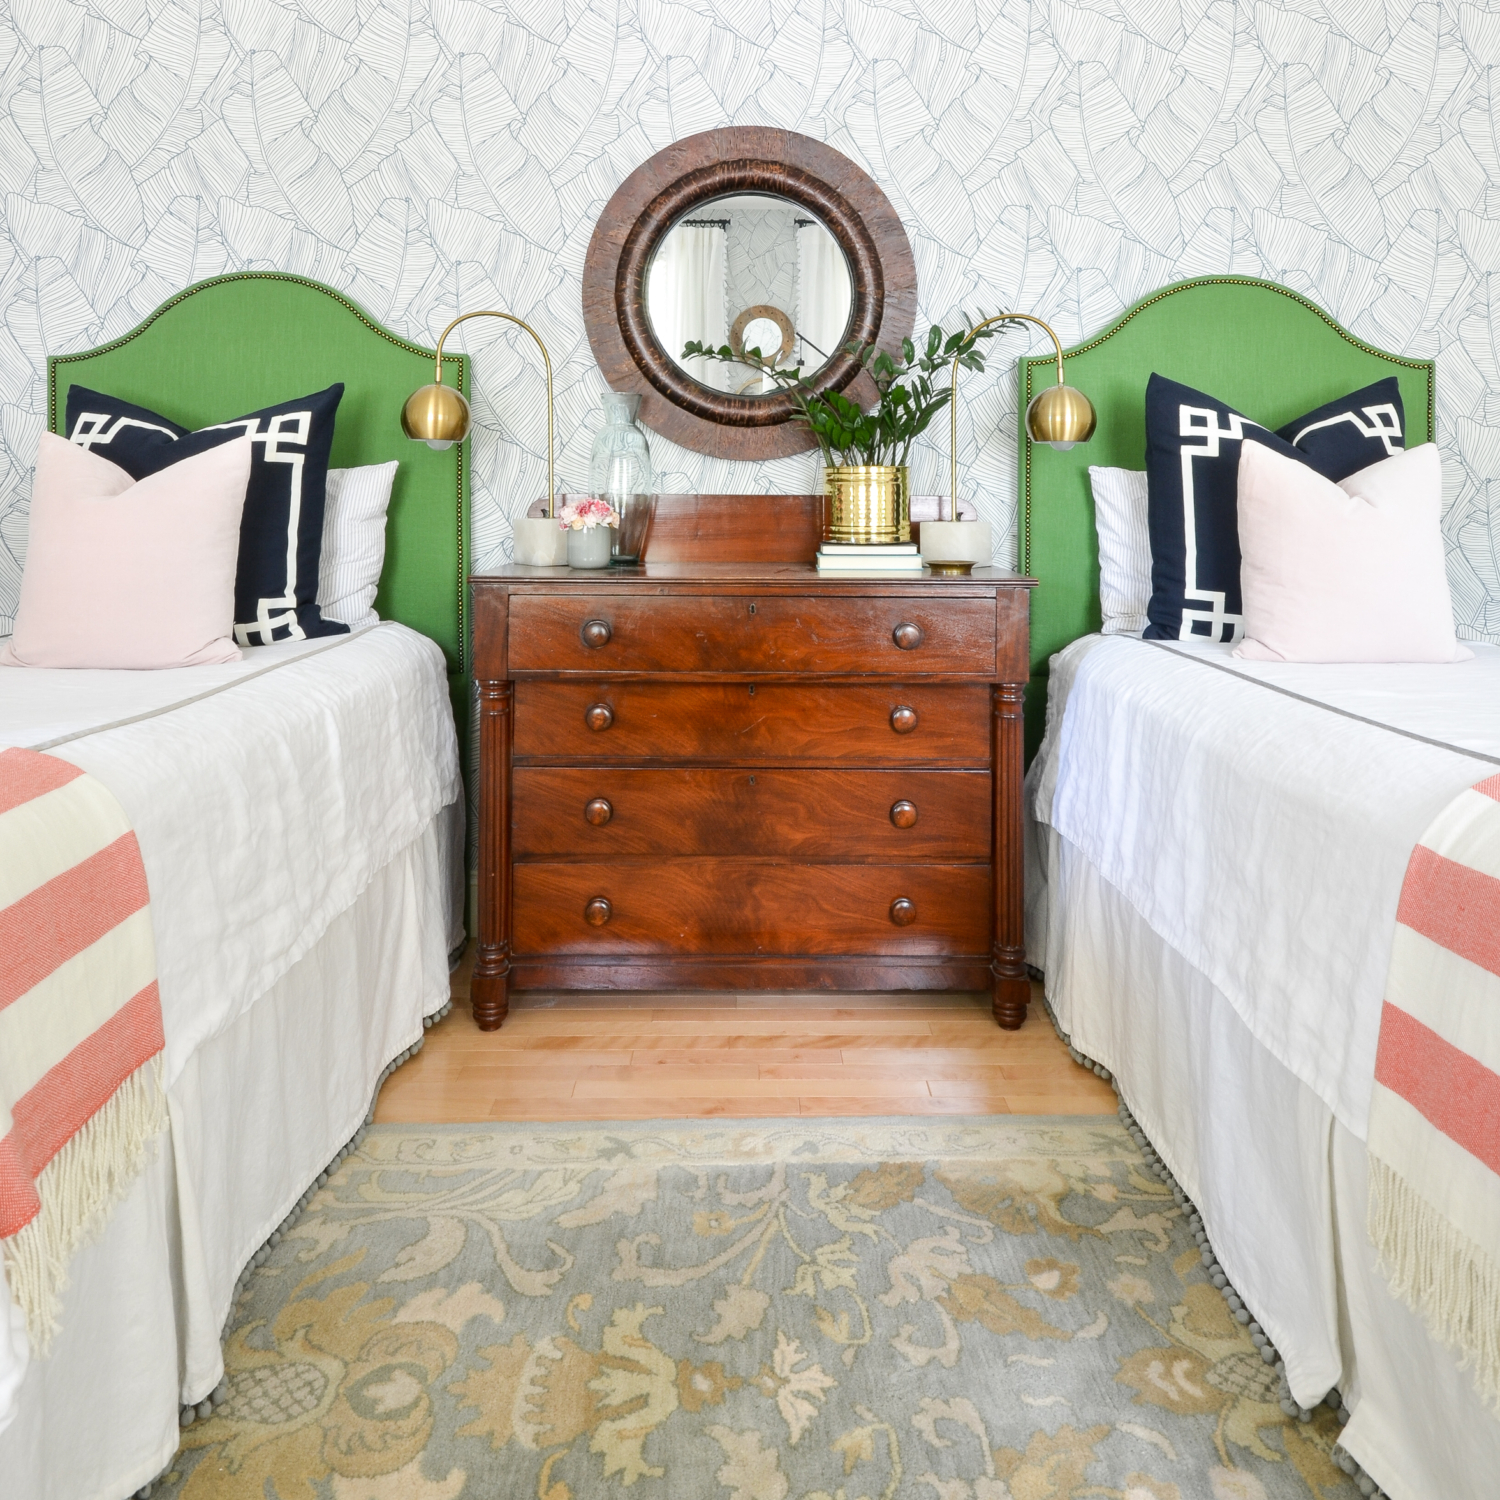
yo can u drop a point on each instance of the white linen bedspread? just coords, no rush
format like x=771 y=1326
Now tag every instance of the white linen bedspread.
x=265 y=795
x=1263 y=837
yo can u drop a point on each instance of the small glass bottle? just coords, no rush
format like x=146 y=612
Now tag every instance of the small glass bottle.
x=620 y=472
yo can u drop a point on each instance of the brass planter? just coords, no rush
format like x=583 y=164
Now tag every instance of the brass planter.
x=867 y=503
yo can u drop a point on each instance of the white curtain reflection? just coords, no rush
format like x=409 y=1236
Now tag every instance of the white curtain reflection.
x=823 y=293
x=686 y=297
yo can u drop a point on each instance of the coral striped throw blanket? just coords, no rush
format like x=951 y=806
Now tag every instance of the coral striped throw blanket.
x=80 y=1022
x=1434 y=1140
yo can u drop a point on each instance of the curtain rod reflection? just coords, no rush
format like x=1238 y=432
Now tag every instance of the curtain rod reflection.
x=724 y=223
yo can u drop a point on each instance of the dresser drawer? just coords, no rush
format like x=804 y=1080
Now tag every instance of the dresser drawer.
x=746 y=906
x=615 y=632
x=877 y=816
x=623 y=721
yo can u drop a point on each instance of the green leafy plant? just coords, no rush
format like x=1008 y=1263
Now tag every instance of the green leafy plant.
x=910 y=392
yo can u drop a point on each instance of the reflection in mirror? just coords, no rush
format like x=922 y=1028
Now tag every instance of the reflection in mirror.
x=755 y=272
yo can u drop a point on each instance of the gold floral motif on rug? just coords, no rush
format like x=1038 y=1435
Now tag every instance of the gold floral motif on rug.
x=818 y=1310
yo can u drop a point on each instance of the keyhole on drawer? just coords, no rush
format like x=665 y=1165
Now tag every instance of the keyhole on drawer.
x=752 y=689
x=752 y=609
x=752 y=781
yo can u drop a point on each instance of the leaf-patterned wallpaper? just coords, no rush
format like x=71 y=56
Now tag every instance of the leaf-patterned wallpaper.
x=1062 y=155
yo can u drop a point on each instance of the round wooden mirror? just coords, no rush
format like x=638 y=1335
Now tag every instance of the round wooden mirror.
x=760 y=239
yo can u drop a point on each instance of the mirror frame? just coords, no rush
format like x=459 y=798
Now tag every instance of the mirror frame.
x=687 y=175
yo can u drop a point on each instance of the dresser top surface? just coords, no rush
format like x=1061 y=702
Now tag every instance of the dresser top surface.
x=787 y=575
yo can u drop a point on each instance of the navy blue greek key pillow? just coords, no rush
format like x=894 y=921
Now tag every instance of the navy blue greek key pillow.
x=281 y=533
x=1192 y=481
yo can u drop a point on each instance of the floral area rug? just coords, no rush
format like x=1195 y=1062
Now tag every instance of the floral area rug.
x=1003 y=1309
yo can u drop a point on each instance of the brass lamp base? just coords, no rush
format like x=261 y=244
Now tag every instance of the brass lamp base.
x=953 y=549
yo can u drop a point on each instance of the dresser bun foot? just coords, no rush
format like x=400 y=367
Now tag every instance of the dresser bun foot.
x=489 y=990
x=1010 y=989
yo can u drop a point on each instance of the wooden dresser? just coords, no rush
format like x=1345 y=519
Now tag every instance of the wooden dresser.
x=708 y=775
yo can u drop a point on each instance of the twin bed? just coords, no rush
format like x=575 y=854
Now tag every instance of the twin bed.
x=299 y=815
x=1216 y=857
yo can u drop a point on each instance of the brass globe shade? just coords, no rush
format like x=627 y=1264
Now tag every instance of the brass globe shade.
x=436 y=415
x=1061 y=416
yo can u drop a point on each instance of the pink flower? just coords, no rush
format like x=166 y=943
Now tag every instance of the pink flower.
x=587 y=514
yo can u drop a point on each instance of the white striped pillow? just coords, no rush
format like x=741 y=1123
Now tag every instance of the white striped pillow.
x=1124 y=548
x=354 y=542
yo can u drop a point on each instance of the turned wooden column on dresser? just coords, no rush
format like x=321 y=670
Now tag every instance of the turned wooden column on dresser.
x=707 y=774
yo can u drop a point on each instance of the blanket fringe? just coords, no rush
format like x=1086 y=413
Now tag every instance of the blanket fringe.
x=1440 y=1273
x=79 y=1188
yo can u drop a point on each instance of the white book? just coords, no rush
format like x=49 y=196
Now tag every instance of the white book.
x=863 y=549
x=869 y=559
x=870 y=565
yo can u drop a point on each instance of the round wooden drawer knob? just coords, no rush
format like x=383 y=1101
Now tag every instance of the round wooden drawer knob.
x=596 y=633
x=908 y=636
x=903 y=912
x=904 y=814
x=903 y=719
x=599 y=716
x=598 y=811
x=598 y=912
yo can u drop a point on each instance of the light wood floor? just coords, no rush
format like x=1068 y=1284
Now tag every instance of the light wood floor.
x=613 y=1056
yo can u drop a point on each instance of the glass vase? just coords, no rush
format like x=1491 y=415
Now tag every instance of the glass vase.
x=620 y=472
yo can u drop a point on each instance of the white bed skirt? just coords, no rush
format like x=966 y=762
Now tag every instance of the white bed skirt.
x=1280 y=1183
x=256 y=1114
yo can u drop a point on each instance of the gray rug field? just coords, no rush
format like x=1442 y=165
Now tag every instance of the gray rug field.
x=997 y=1309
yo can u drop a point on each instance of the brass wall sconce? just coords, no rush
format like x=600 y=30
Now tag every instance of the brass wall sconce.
x=439 y=416
x=1059 y=416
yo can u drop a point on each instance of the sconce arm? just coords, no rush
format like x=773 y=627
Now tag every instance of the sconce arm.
x=953 y=391
x=547 y=365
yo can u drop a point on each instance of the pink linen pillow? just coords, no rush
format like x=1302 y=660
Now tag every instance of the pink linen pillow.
x=127 y=573
x=1344 y=572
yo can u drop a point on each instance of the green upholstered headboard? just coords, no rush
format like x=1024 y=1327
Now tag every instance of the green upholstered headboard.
x=239 y=342
x=1262 y=348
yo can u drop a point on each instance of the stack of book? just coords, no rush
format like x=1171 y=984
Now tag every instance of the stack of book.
x=862 y=557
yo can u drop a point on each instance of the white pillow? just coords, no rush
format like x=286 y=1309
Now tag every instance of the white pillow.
x=125 y=573
x=354 y=542
x=1352 y=571
x=1124 y=548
